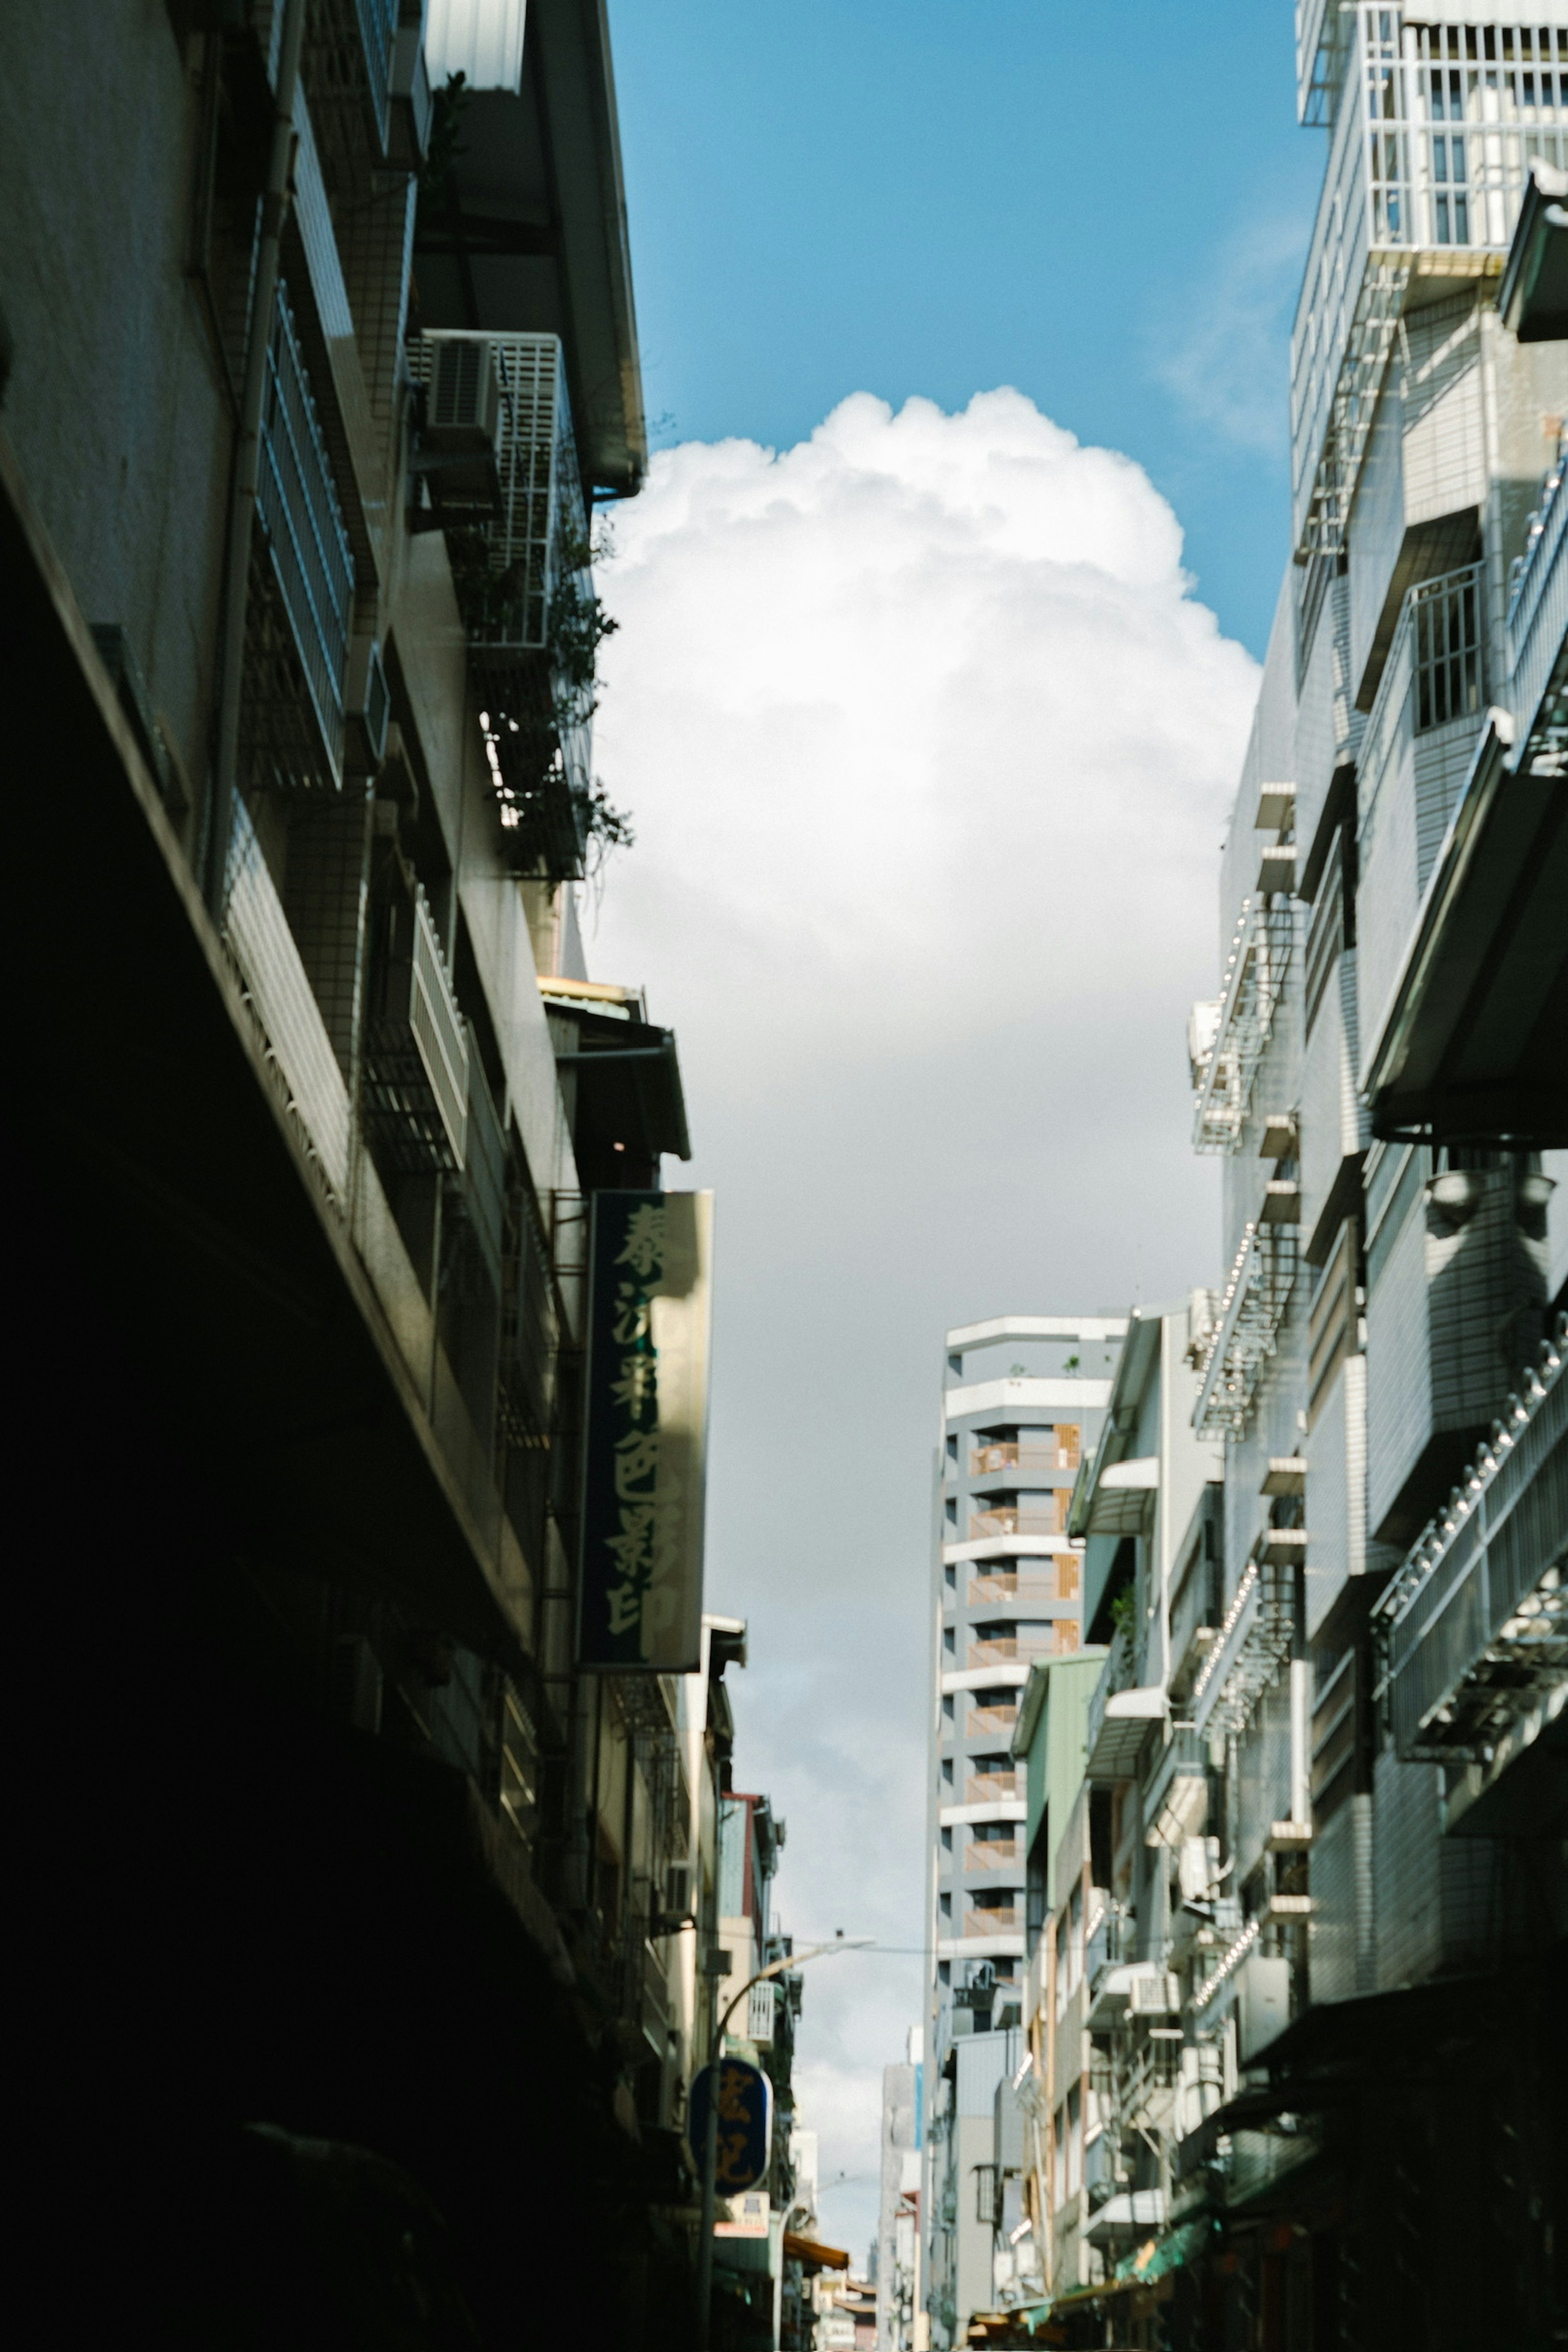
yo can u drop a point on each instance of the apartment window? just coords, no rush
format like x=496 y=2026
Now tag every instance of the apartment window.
x=1447 y=651
x=994 y=1833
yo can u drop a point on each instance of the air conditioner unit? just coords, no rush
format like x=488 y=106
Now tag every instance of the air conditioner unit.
x=463 y=403
x=1154 y=1996
x=678 y=1889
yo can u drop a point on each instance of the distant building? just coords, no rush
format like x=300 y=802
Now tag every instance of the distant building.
x=897 y=2268
x=1007 y=1591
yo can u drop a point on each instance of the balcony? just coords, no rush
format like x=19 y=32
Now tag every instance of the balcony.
x=1008 y=1649
x=300 y=608
x=1119 y=1717
x=991 y=1788
x=1000 y=1720
x=1018 y=1519
x=416 y=1050
x=1027 y=1593
x=346 y=67
x=1538 y=598
x=257 y=934
x=1476 y=1621
x=521 y=571
x=1028 y=1460
x=1251 y=1310
x=1227 y=1045
x=993 y=1853
x=1429 y=152
x=996 y=1919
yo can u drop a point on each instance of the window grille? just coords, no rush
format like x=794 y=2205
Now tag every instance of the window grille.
x=311 y=565
x=1445 y=615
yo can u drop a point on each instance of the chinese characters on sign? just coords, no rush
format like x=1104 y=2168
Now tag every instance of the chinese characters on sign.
x=745 y=2123
x=646 y=1431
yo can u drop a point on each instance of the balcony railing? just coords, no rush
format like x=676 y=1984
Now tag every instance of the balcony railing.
x=257 y=933
x=1013 y=1521
x=991 y=1461
x=1477 y=1618
x=1253 y=980
x=299 y=614
x=994 y=1920
x=347 y=71
x=1251 y=1311
x=992 y=1853
x=1425 y=170
x=1026 y=1592
x=416 y=1061
x=991 y=1788
x=1009 y=1650
x=983 y=1719
x=1538 y=598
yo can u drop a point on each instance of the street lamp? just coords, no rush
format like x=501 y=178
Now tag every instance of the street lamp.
x=711 y=2133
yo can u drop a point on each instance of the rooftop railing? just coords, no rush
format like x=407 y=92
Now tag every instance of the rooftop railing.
x=1436 y=129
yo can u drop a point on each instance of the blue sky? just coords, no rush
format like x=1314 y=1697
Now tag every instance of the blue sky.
x=1104 y=207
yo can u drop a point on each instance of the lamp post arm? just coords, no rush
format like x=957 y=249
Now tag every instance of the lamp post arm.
x=710 y=2134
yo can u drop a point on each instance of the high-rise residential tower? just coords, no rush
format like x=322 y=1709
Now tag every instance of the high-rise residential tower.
x=1006 y=1590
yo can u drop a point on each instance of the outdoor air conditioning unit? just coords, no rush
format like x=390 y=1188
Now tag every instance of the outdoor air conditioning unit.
x=678 y=1889
x=1154 y=1996
x=462 y=408
x=456 y=458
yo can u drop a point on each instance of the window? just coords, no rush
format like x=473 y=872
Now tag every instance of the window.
x=1447 y=651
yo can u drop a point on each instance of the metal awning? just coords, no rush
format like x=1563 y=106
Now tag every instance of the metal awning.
x=1470 y=1049
x=1533 y=296
x=1124 y=2216
x=628 y=1090
x=1122 y=1500
x=1123 y=1728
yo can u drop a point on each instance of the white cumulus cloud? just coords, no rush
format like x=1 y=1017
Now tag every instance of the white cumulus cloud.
x=928 y=747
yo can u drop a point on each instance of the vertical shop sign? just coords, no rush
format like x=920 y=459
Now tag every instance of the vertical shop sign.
x=646 y=1431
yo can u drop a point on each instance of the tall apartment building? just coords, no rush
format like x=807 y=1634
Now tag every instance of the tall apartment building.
x=1007 y=1589
x=1293 y=2013
x=366 y=1884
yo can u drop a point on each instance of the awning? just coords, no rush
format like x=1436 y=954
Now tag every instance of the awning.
x=1122 y=1500
x=1533 y=296
x=627 y=1106
x=1122 y=1731
x=815 y=2255
x=1470 y=1048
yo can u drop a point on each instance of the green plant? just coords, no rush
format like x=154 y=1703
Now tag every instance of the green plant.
x=1122 y=1612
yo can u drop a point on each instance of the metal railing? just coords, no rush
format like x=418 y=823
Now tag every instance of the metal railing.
x=1027 y=1593
x=993 y=1718
x=416 y=1058
x=1017 y=1523
x=347 y=71
x=986 y=1461
x=307 y=550
x=1251 y=1311
x=1009 y=1650
x=257 y=934
x=992 y=1854
x=1115 y=1675
x=1254 y=978
x=991 y=1788
x=1537 y=597
x=994 y=1920
x=1479 y=1614
x=1430 y=149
